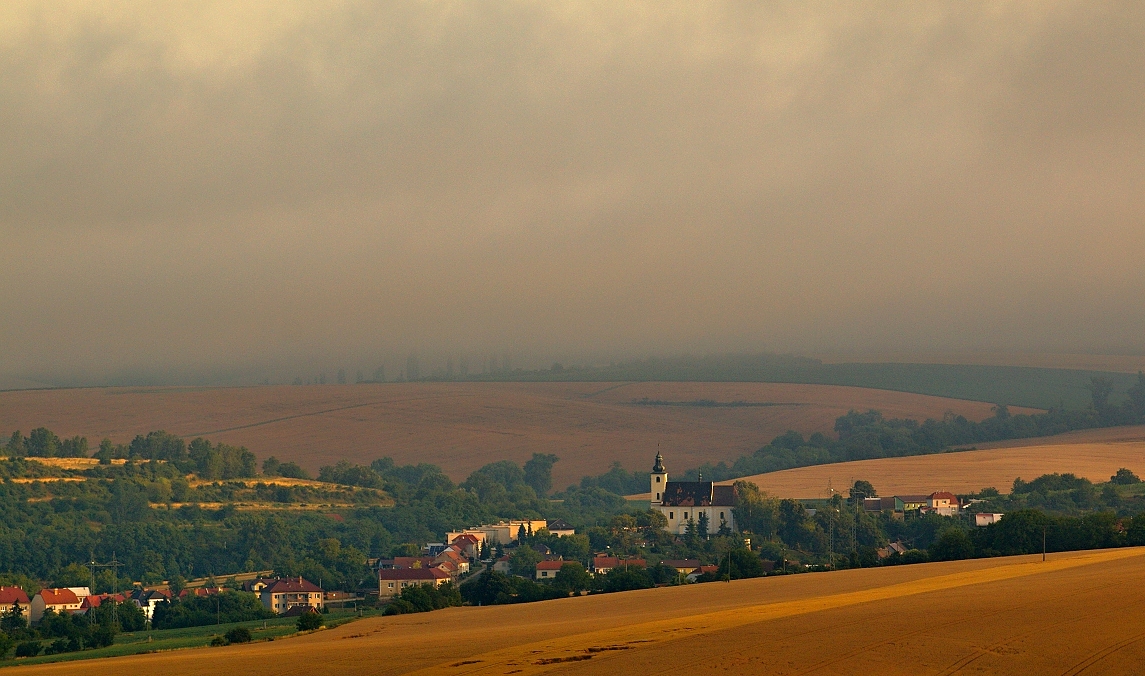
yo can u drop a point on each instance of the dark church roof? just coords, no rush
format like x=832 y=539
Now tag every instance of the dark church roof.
x=698 y=494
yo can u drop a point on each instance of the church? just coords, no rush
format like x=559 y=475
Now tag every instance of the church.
x=683 y=501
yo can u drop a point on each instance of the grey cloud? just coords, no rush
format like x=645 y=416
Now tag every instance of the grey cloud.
x=279 y=184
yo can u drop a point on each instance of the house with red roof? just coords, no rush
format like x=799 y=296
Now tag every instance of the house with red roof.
x=391 y=582
x=60 y=600
x=547 y=570
x=14 y=596
x=285 y=593
x=95 y=600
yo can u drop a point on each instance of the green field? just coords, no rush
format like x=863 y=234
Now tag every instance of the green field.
x=191 y=637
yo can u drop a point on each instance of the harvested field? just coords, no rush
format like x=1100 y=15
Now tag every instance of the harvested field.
x=1047 y=360
x=462 y=426
x=1077 y=613
x=962 y=472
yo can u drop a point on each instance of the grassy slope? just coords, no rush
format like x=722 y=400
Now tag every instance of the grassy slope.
x=1006 y=615
x=175 y=639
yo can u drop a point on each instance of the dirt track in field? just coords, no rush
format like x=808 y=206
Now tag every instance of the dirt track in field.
x=462 y=426
x=1077 y=613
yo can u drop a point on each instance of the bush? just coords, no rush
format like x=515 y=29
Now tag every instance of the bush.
x=238 y=635
x=29 y=649
x=1125 y=477
x=309 y=621
x=218 y=641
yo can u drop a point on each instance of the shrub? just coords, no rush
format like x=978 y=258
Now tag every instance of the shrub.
x=309 y=621
x=218 y=641
x=238 y=635
x=29 y=649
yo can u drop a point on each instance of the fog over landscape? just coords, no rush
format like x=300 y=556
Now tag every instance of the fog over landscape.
x=270 y=189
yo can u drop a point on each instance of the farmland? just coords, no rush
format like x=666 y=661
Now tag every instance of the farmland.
x=971 y=471
x=462 y=426
x=1074 y=612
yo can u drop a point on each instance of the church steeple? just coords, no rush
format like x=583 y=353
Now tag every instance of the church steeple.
x=658 y=480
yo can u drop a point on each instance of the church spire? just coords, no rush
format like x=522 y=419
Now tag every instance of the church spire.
x=658 y=468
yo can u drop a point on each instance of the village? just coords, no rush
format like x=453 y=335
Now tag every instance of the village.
x=686 y=508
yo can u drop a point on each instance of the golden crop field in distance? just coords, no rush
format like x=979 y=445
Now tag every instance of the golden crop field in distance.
x=969 y=471
x=1080 y=612
x=462 y=426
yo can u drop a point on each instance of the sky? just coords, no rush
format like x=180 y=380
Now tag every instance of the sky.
x=278 y=188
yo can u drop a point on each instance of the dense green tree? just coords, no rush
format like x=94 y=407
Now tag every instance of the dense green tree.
x=572 y=577
x=538 y=472
x=861 y=490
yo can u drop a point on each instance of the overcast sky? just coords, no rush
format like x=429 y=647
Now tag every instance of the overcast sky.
x=231 y=185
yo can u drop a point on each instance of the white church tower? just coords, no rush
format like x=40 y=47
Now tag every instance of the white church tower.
x=659 y=480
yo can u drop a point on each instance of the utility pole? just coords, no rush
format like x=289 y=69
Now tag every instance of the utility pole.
x=1043 y=544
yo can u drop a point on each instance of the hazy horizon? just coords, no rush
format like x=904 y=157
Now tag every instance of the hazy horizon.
x=268 y=188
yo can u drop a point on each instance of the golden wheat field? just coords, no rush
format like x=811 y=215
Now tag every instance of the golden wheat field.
x=1080 y=612
x=962 y=472
x=462 y=426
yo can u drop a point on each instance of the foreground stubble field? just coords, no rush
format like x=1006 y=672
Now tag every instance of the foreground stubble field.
x=462 y=426
x=1077 y=613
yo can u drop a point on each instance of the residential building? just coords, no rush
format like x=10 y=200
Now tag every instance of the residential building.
x=392 y=582
x=95 y=600
x=501 y=565
x=14 y=596
x=692 y=576
x=147 y=599
x=986 y=518
x=547 y=570
x=560 y=528
x=505 y=532
x=879 y=504
x=909 y=503
x=603 y=565
x=285 y=593
x=682 y=566
x=892 y=549
x=61 y=600
x=685 y=502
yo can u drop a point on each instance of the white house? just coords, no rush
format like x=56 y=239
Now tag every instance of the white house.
x=683 y=502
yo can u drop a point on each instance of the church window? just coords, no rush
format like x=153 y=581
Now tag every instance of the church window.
x=671 y=515
x=721 y=515
x=657 y=479
x=657 y=496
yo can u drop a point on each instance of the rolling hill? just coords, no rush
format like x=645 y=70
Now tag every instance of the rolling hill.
x=1093 y=454
x=462 y=426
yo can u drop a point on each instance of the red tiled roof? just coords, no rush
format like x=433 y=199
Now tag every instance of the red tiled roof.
x=467 y=537
x=59 y=597
x=95 y=600
x=943 y=495
x=10 y=595
x=550 y=565
x=291 y=585
x=399 y=574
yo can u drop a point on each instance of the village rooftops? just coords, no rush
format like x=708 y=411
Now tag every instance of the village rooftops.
x=698 y=494
x=10 y=595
